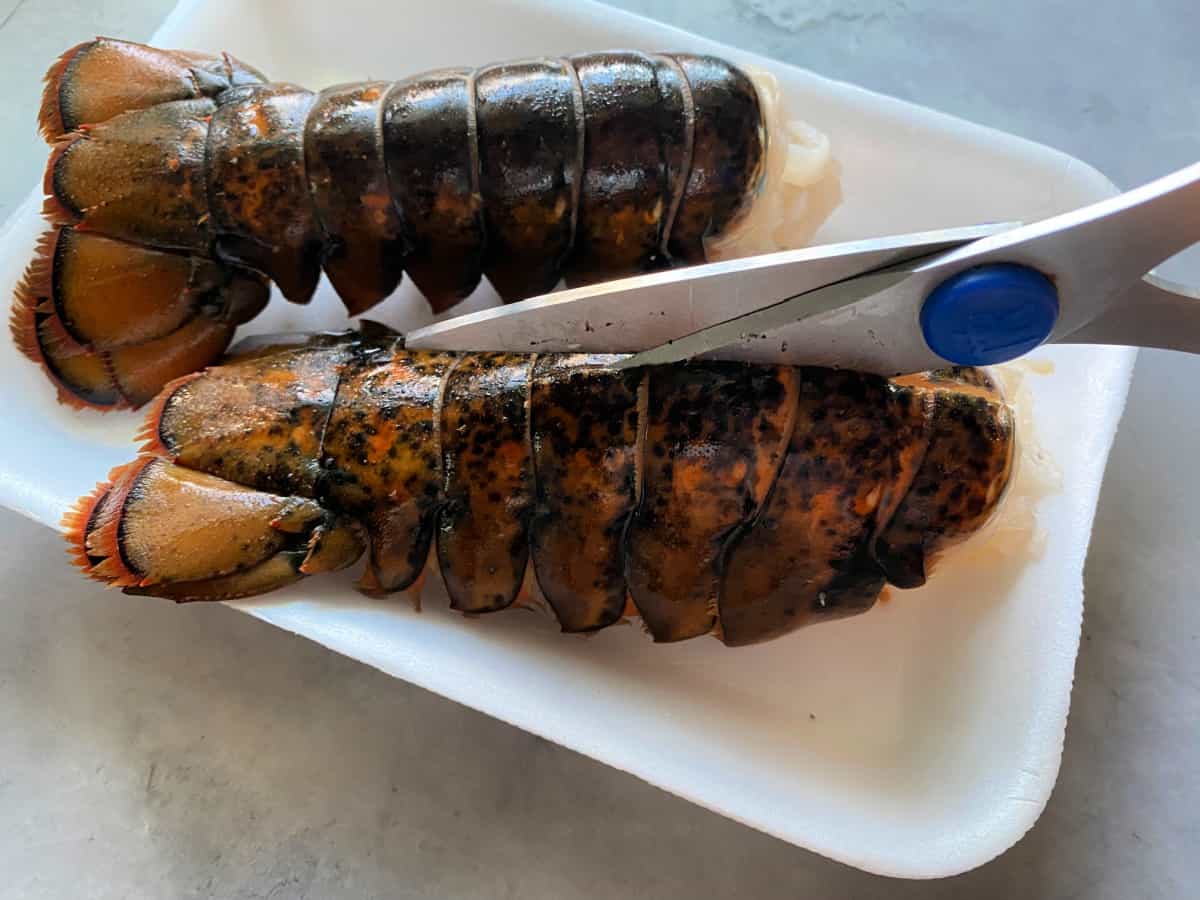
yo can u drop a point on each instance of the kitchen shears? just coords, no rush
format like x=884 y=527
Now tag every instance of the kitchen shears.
x=975 y=295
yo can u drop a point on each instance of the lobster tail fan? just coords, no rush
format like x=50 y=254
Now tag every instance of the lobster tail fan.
x=31 y=293
x=79 y=520
x=81 y=376
x=96 y=80
x=161 y=530
x=150 y=433
x=140 y=371
x=121 y=294
x=50 y=118
x=92 y=527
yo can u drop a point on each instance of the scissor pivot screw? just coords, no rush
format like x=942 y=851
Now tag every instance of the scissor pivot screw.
x=989 y=314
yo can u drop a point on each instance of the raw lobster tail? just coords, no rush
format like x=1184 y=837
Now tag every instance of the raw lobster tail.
x=792 y=500
x=180 y=182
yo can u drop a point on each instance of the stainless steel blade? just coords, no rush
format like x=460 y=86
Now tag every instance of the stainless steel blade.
x=634 y=314
x=763 y=326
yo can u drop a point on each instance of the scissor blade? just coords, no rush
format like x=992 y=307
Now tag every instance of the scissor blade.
x=763 y=324
x=630 y=315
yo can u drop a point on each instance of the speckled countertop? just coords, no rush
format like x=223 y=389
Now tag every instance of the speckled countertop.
x=142 y=759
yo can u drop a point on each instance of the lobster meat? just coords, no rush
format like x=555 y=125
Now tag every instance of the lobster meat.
x=182 y=184
x=721 y=498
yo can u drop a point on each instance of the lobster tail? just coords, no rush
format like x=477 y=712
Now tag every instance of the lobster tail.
x=197 y=183
x=717 y=498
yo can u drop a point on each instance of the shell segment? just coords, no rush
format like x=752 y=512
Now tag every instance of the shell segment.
x=584 y=446
x=482 y=531
x=714 y=435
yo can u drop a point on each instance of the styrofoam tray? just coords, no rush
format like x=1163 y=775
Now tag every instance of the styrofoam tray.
x=919 y=740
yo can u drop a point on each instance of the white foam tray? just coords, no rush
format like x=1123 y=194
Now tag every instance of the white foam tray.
x=919 y=740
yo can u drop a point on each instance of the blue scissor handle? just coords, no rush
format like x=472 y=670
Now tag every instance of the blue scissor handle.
x=989 y=314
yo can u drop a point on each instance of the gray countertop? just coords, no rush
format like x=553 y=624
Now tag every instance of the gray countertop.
x=139 y=758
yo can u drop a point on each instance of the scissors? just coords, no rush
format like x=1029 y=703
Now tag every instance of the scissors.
x=894 y=305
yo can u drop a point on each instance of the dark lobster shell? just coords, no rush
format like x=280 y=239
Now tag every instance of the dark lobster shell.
x=724 y=498
x=181 y=182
